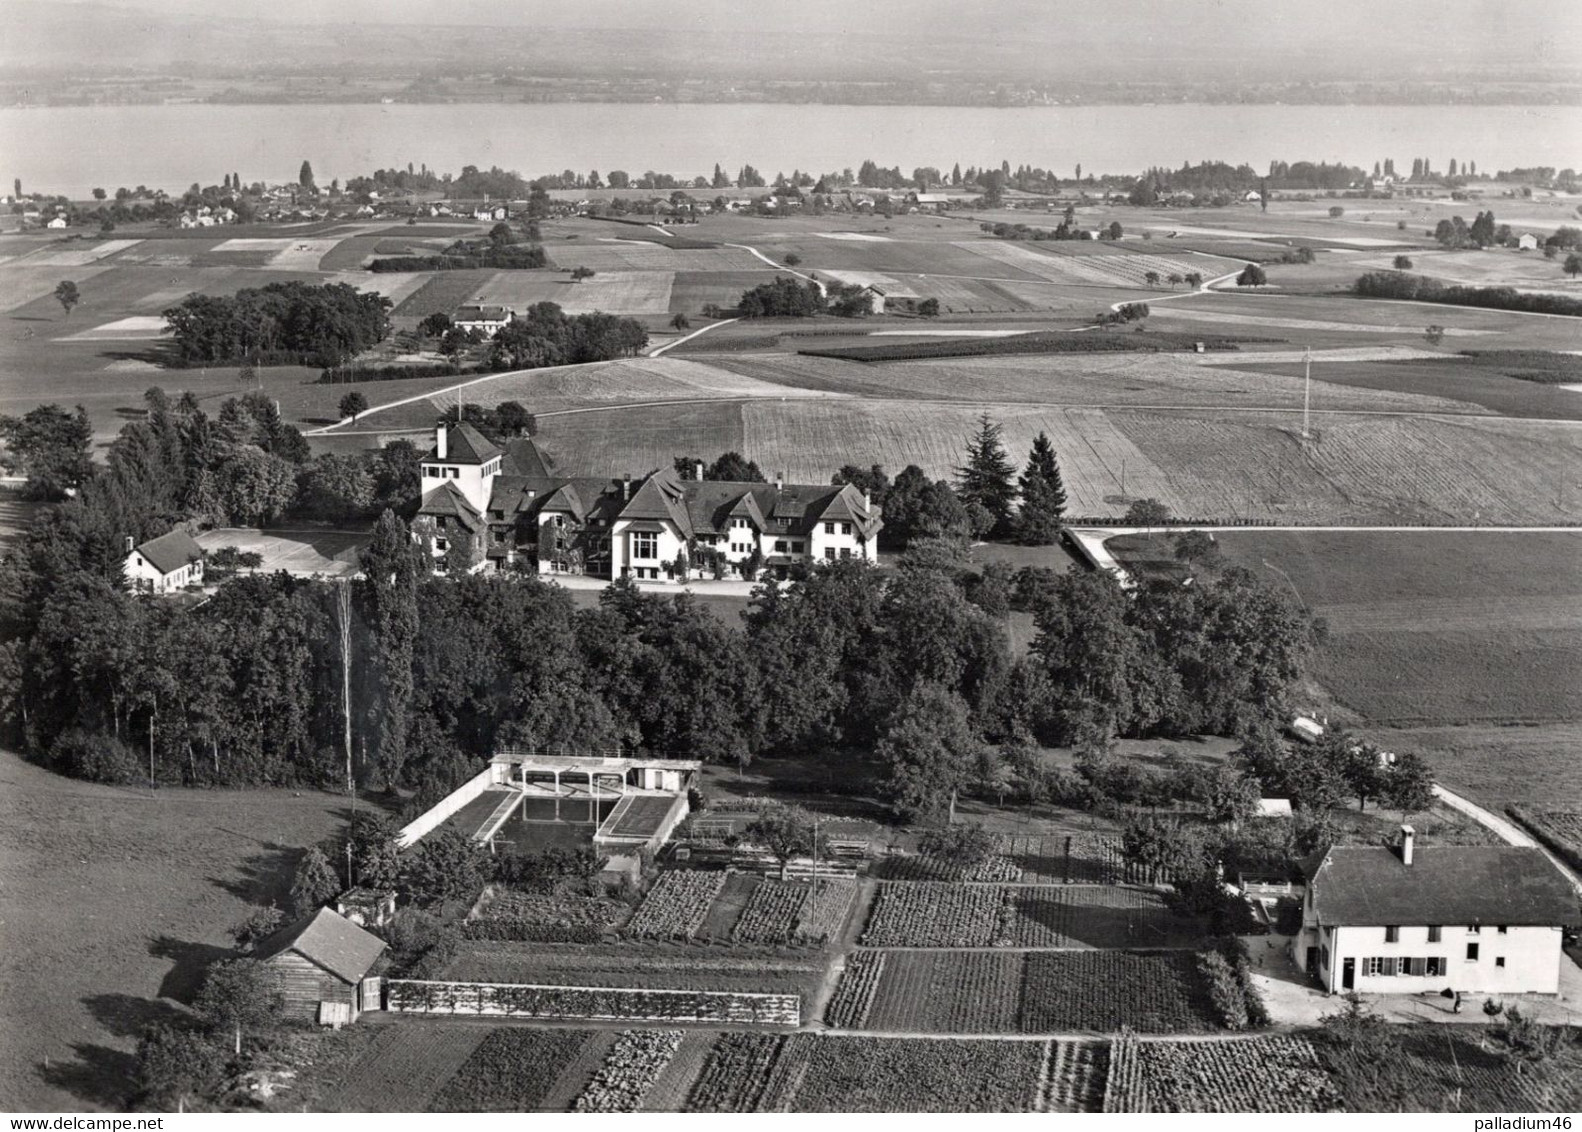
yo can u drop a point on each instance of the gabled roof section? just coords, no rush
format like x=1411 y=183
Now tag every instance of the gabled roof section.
x=447 y=499
x=464 y=444
x=1444 y=884
x=523 y=457
x=566 y=498
x=171 y=551
x=328 y=939
x=661 y=496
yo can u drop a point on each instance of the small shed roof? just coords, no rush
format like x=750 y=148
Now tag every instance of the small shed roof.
x=329 y=940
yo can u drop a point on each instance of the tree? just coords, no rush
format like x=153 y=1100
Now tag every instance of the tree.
x=99 y=194
x=1043 y=495
x=1409 y=785
x=786 y=832
x=305 y=177
x=446 y=865
x=680 y=321
x=502 y=235
x=1336 y=212
x=353 y=405
x=987 y=479
x=255 y=487
x=257 y=926
x=1251 y=276
x=1151 y=278
x=1115 y=230
x=928 y=308
x=1403 y=263
x=579 y=273
x=390 y=571
x=1435 y=334
x=733 y=467
x=791 y=259
x=931 y=749
x=1194 y=279
x=1573 y=265
x=1147 y=513
x=51 y=447
x=434 y=325
x=314 y=884
x=239 y=994
x=176 y=1064
x=67 y=295
x=964 y=846
x=1196 y=546
x=1227 y=795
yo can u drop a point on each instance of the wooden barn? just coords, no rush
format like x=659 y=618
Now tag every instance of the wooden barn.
x=322 y=960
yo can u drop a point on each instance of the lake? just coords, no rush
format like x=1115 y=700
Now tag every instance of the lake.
x=73 y=149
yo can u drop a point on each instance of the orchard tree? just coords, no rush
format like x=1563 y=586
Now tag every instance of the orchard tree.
x=67 y=295
x=988 y=477
x=680 y=321
x=1196 y=546
x=1403 y=263
x=353 y=405
x=1252 y=276
x=239 y=994
x=787 y=832
x=1409 y=785
x=1147 y=514
x=1573 y=265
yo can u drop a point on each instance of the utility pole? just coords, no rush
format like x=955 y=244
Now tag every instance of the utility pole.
x=1307 y=388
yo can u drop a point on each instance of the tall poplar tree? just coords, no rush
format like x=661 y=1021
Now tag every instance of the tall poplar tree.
x=390 y=569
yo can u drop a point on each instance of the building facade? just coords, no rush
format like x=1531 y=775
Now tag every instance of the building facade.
x=491 y=508
x=165 y=564
x=1476 y=919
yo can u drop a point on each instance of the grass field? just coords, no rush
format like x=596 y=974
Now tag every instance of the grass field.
x=1421 y=621
x=115 y=900
x=614 y=292
x=1453 y=378
x=1497 y=766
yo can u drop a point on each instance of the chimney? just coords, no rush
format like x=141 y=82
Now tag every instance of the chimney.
x=129 y=544
x=780 y=481
x=867 y=502
x=697 y=471
x=626 y=487
x=1408 y=835
x=440 y=445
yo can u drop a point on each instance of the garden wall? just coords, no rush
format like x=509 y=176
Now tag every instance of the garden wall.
x=426 y=822
x=602 y=1004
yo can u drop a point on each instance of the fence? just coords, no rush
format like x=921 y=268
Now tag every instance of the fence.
x=591 y=1004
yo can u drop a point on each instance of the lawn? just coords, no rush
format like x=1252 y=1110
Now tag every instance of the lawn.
x=143 y=887
x=614 y=292
x=1421 y=622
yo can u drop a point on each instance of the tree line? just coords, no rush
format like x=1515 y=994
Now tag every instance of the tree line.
x=278 y=324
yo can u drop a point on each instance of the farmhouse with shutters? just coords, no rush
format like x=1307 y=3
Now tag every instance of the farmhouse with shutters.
x=1476 y=919
x=491 y=508
x=320 y=961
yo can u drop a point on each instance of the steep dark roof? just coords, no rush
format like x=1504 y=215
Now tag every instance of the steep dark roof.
x=792 y=508
x=1444 y=884
x=328 y=939
x=465 y=445
x=523 y=457
x=485 y=313
x=170 y=552
x=447 y=499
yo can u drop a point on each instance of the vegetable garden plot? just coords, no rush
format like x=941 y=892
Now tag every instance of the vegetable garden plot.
x=1274 y=1074
x=726 y=911
x=669 y=1092
x=1075 y=1076
x=848 y=1074
x=948 y=992
x=736 y=1072
x=677 y=905
x=616 y=1004
x=1103 y=991
x=1091 y=916
x=933 y=915
x=849 y=1006
x=630 y=1069
x=405 y=1066
x=1450 y=1069
x=511 y=1070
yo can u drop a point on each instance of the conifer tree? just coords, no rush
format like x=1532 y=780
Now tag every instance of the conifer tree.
x=1043 y=495
x=988 y=477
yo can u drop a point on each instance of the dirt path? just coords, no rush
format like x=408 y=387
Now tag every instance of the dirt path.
x=867 y=888
x=658 y=351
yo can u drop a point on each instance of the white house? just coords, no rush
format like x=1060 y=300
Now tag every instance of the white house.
x=1483 y=919
x=164 y=564
x=1527 y=242
x=484 y=318
x=57 y=222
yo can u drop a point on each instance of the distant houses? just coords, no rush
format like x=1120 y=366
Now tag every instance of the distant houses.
x=164 y=564
x=487 y=507
x=484 y=318
x=1482 y=919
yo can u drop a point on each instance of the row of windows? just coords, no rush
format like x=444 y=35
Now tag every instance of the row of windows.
x=829 y=553
x=1401 y=965
x=1392 y=933
x=439 y=472
x=845 y=528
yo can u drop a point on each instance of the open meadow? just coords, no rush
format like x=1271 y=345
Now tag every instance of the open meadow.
x=115 y=901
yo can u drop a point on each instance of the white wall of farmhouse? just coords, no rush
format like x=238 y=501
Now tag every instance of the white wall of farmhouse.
x=144 y=577
x=1406 y=959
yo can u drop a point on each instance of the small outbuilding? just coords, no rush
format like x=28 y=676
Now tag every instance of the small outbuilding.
x=322 y=960
x=164 y=564
x=1527 y=242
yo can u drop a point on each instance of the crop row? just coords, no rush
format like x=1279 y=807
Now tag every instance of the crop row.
x=933 y=915
x=1041 y=342
x=925 y=914
x=1074 y=1077
x=976 y=992
x=735 y=1074
x=1274 y=1074
x=848 y=1074
x=848 y=1007
x=630 y=1069
x=677 y=905
x=511 y=1070
x=772 y=912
